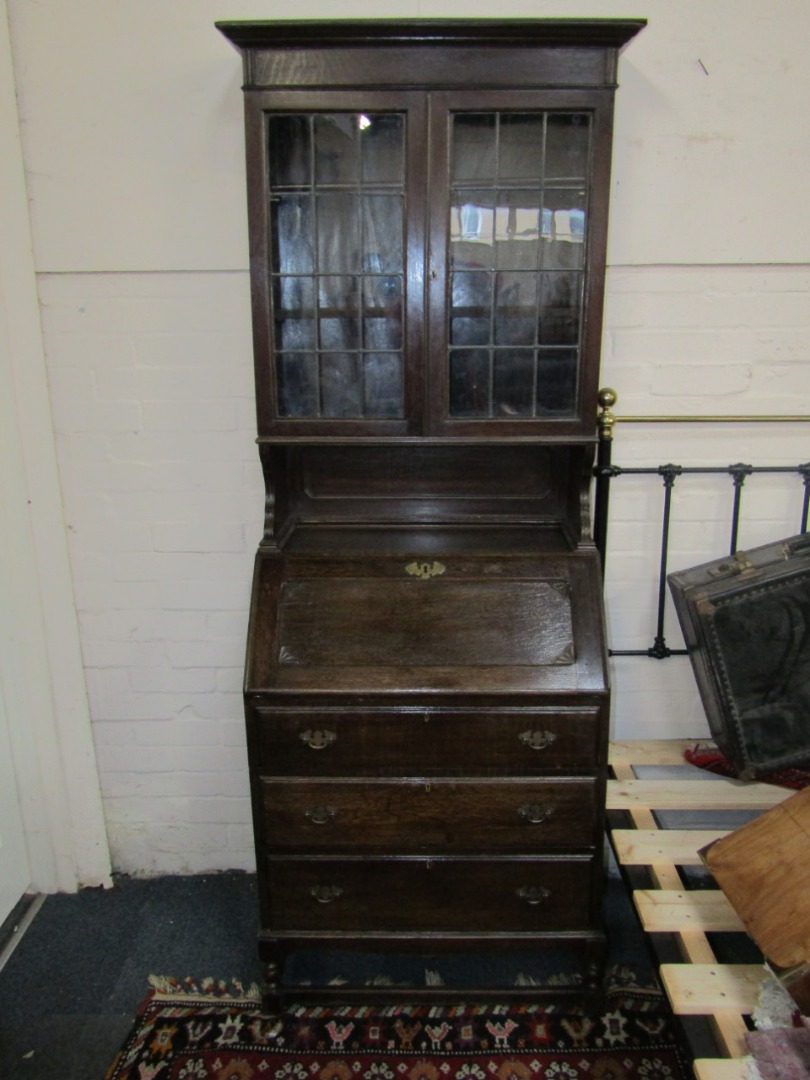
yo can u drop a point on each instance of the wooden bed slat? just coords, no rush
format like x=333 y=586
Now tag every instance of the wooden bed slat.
x=649 y=751
x=720 y=1068
x=649 y=847
x=692 y=795
x=667 y=911
x=703 y=989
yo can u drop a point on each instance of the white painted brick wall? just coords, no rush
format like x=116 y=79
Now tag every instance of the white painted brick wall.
x=152 y=386
x=151 y=371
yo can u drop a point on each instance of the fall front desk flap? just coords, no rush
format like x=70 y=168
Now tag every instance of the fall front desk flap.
x=457 y=624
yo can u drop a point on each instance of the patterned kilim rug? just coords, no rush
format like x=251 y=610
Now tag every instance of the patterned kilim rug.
x=217 y=1032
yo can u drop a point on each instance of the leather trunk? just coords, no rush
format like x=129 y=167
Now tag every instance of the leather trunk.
x=746 y=622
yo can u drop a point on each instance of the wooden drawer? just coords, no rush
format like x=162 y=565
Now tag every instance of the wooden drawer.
x=423 y=742
x=429 y=815
x=407 y=894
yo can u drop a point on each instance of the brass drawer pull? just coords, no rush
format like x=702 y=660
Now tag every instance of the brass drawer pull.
x=319 y=815
x=534 y=813
x=318 y=740
x=325 y=894
x=533 y=894
x=538 y=740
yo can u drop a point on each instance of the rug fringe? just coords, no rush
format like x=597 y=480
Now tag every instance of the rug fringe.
x=621 y=984
x=166 y=986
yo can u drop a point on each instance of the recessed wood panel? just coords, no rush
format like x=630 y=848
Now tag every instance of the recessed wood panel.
x=418 y=472
x=362 y=622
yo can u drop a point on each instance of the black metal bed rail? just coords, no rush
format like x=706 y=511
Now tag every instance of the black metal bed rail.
x=605 y=471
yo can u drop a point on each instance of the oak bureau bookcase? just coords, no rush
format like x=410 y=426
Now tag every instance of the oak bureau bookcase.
x=426 y=685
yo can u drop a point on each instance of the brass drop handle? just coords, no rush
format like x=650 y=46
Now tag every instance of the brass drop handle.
x=318 y=740
x=534 y=813
x=319 y=815
x=533 y=894
x=325 y=894
x=537 y=740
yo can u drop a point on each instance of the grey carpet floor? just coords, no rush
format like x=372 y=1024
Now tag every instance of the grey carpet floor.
x=70 y=991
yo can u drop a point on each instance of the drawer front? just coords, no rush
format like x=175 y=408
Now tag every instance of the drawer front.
x=425 y=742
x=429 y=815
x=464 y=895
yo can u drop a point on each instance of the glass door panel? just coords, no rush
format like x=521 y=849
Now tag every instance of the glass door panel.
x=518 y=231
x=336 y=185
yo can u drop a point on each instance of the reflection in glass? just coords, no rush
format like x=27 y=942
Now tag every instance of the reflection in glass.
x=337 y=263
x=382 y=149
x=338 y=233
x=517 y=230
x=382 y=312
x=290 y=150
x=470 y=313
x=515 y=309
x=567 y=146
x=518 y=233
x=564 y=228
x=474 y=146
x=521 y=146
x=469 y=382
x=472 y=229
x=294 y=306
x=560 y=308
x=382 y=386
x=556 y=381
x=297 y=377
x=338 y=313
x=341 y=385
x=292 y=227
x=382 y=233
x=337 y=149
x=513 y=382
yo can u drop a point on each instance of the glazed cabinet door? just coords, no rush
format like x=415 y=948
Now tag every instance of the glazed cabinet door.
x=517 y=248
x=336 y=188
x=427 y=263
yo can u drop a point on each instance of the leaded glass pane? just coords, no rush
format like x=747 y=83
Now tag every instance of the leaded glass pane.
x=515 y=309
x=512 y=382
x=382 y=146
x=337 y=262
x=292 y=224
x=341 y=385
x=382 y=233
x=517 y=244
x=521 y=146
x=470 y=392
x=337 y=149
x=567 y=146
x=382 y=386
x=382 y=312
x=556 y=382
x=471 y=309
x=290 y=150
x=472 y=229
x=474 y=146
x=297 y=377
